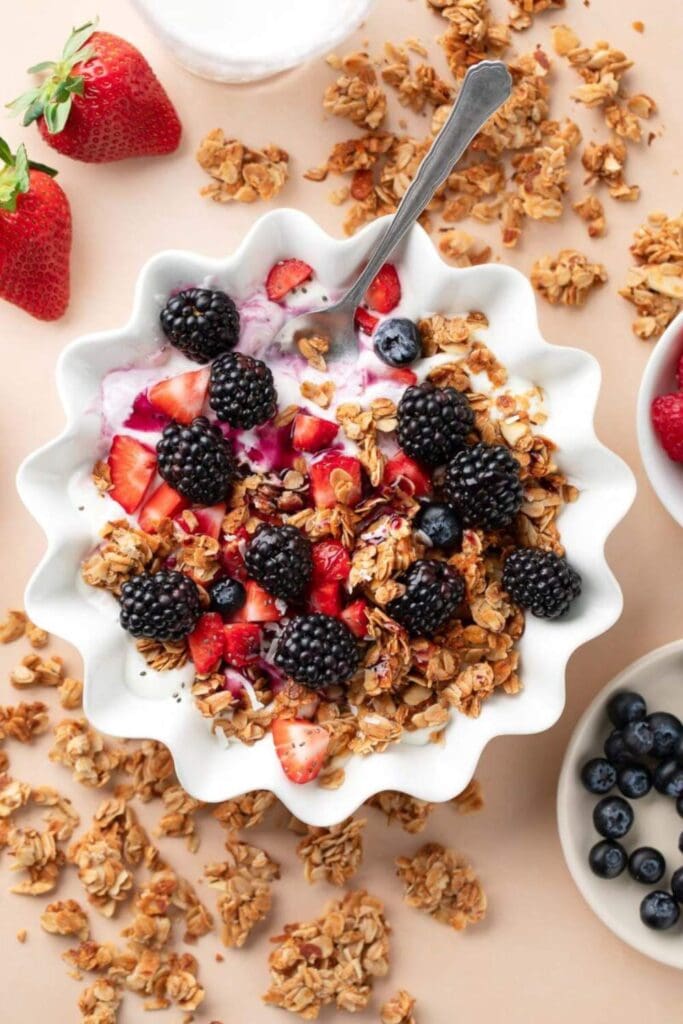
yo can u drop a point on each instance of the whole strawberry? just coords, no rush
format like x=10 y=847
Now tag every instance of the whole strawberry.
x=667 y=419
x=101 y=101
x=35 y=236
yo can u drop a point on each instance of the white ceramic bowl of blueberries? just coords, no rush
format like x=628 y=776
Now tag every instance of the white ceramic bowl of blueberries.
x=620 y=805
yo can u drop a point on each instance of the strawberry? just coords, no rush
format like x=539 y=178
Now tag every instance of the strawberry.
x=331 y=561
x=35 y=236
x=260 y=606
x=181 y=397
x=285 y=276
x=101 y=101
x=131 y=467
x=384 y=294
x=325 y=598
x=355 y=615
x=206 y=643
x=207 y=521
x=301 y=748
x=364 y=320
x=320 y=471
x=311 y=433
x=164 y=503
x=400 y=469
x=401 y=376
x=241 y=643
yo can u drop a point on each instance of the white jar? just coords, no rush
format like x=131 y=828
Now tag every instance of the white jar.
x=243 y=40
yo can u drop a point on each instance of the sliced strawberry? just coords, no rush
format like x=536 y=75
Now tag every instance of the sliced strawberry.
x=181 y=397
x=301 y=748
x=325 y=598
x=399 y=376
x=285 y=276
x=231 y=556
x=403 y=470
x=131 y=466
x=260 y=606
x=355 y=615
x=364 y=320
x=206 y=643
x=311 y=433
x=331 y=561
x=384 y=294
x=164 y=503
x=207 y=521
x=320 y=471
x=241 y=643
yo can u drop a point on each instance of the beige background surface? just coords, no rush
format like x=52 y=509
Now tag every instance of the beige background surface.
x=541 y=955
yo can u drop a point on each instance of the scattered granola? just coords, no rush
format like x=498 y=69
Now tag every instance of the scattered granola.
x=470 y=800
x=13 y=627
x=356 y=95
x=411 y=814
x=605 y=162
x=66 y=917
x=244 y=883
x=524 y=11
x=591 y=210
x=333 y=854
x=99 y=1003
x=331 y=960
x=398 y=1009
x=439 y=882
x=244 y=811
x=241 y=174
x=84 y=751
x=655 y=284
x=178 y=821
x=23 y=721
x=566 y=278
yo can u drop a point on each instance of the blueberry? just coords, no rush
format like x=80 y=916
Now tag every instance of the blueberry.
x=598 y=776
x=646 y=865
x=624 y=707
x=667 y=731
x=227 y=596
x=612 y=817
x=677 y=884
x=615 y=750
x=397 y=342
x=659 y=910
x=668 y=778
x=638 y=738
x=680 y=842
x=679 y=805
x=678 y=749
x=441 y=523
x=634 y=780
x=607 y=859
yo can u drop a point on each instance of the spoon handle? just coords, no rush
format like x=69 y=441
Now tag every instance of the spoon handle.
x=485 y=87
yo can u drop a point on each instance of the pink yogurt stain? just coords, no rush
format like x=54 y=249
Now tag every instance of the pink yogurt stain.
x=144 y=416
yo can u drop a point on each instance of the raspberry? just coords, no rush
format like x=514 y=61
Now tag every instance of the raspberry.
x=667 y=419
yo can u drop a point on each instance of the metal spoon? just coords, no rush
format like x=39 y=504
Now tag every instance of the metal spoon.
x=485 y=87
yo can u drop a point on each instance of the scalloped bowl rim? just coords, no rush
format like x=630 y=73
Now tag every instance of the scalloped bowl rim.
x=433 y=772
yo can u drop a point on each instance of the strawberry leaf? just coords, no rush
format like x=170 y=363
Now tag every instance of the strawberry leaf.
x=56 y=115
x=46 y=65
x=14 y=177
x=77 y=39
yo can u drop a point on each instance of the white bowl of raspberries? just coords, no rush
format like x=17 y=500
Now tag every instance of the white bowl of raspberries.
x=660 y=418
x=325 y=579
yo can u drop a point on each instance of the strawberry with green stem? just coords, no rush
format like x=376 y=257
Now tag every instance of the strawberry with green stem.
x=100 y=101
x=35 y=236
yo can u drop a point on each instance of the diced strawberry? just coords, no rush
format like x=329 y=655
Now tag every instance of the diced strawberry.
x=400 y=469
x=301 y=748
x=325 y=598
x=181 y=397
x=384 y=294
x=401 y=376
x=322 y=490
x=311 y=433
x=206 y=642
x=207 y=521
x=260 y=606
x=364 y=320
x=331 y=561
x=241 y=643
x=355 y=615
x=231 y=557
x=131 y=467
x=285 y=276
x=164 y=503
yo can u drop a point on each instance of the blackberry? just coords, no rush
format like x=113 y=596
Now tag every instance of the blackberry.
x=483 y=484
x=433 y=591
x=162 y=606
x=317 y=650
x=279 y=558
x=541 y=581
x=201 y=322
x=241 y=390
x=433 y=422
x=196 y=460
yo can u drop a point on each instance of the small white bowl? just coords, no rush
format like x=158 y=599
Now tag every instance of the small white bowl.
x=233 y=41
x=659 y=378
x=57 y=600
x=617 y=902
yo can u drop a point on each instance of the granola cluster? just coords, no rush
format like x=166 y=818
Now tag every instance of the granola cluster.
x=655 y=284
x=241 y=174
x=441 y=883
x=567 y=278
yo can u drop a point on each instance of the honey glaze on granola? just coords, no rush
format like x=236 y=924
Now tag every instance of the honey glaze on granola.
x=407 y=687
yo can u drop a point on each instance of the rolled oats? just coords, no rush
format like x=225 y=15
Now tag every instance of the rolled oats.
x=357 y=95
x=23 y=721
x=591 y=210
x=245 y=811
x=524 y=11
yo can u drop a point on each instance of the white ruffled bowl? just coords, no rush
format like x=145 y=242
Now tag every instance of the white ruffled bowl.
x=57 y=600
